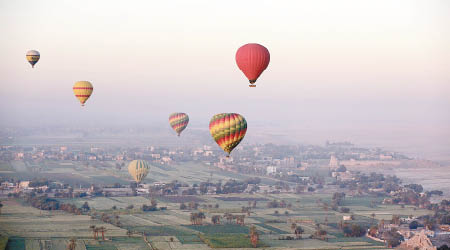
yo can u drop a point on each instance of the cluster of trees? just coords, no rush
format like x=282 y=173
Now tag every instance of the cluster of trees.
x=352 y=229
x=70 y=208
x=190 y=191
x=439 y=217
x=95 y=230
x=215 y=219
x=111 y=219
x=45 y=203
x=230 y=217
x=320 y=234
x=434 y=192
x=152 y=207
x=232 y=186
x=168 y=188
x=393 y=238
x=298 y=230
x=197 y=218
x=191 y=206
x=440 y=207
x=338 y=198
x=38 y=183
x=363 y=183
x=278 y=204
x=410 y=197
x=42 y=202
x=415 y=187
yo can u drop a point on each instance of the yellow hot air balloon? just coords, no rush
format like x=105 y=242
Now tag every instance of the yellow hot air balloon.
x=138 y=169
x=83 y=90
x=33 y=57
x=228 y=130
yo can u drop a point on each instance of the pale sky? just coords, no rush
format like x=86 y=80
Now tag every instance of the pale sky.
x=334 y=64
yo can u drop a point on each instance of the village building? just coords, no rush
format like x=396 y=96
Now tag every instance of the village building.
x=418 y=241
x=334 y=163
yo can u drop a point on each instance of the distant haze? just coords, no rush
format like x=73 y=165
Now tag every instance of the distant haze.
x=374 y=72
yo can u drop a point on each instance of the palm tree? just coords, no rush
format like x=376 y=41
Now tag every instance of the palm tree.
x=215 y=219
x=322 y=234
x=298 y=232
x=93 y=228
x=240 y=219
x=325 y=206
x=117 y=219
x=254 y=236
x=200 y=217
x=102 y=230
x=293 y=226
x=229 y=217
x=192 y=218
x=72 y=244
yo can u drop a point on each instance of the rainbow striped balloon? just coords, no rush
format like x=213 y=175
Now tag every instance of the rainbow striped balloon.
x=83 y=90
x=228 y=130
x=178 y=121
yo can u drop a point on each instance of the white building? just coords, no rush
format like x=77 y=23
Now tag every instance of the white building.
x=334 y=163
x=271 y=170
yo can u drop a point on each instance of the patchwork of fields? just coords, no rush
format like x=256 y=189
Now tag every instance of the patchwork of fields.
x=30 y=228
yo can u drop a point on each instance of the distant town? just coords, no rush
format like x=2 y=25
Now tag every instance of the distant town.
x=270 y=169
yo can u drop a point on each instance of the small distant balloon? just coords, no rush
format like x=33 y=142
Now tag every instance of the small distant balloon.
x=178 y=121
x=83 y=90
x=252 y=59
x=138 y=169
x=228 y=130
x=33 y=57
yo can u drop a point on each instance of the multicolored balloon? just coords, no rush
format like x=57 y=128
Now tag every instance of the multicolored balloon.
x=228 y=130
x=178 y=121
x=33 y=57
x=252 y=59
x=83 y=90
x=138 y=169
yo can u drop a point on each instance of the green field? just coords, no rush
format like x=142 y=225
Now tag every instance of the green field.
x=227 y=240
x=220 y=229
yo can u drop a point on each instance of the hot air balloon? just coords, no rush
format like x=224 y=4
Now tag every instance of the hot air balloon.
x=138 y=169
x=228 y=130
x=33 y=57
x=252 y=59
x=83 y=90
x=178 y=121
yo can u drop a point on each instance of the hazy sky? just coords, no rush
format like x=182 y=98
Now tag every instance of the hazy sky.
x=334 y=64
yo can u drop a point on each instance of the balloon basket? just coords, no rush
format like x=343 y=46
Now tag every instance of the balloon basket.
x=252 y=86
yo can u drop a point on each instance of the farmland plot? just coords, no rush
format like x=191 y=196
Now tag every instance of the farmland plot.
x=164 y=242
x=19 y=220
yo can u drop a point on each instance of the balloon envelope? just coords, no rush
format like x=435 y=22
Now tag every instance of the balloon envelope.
x=83 y=90
x=228 y=130
x=138 y=169
x=33 y=57
x=178 y=121
x=252 y=59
